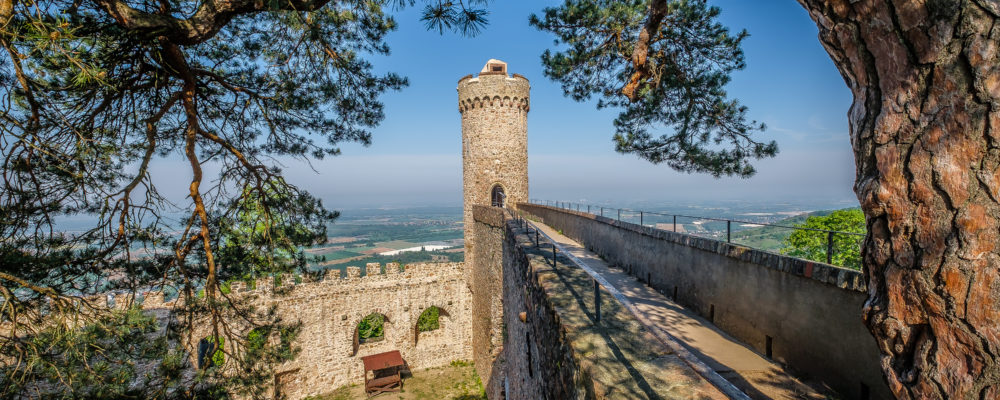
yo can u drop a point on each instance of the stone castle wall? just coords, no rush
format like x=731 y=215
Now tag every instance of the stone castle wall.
x=545 y=342
x=804 y=314
x=330 y=310
x=494 y=111
x=487 y=291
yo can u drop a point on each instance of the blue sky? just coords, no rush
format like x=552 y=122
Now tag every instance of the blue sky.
x=415 y=159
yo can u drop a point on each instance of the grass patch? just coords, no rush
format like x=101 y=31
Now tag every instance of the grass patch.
x=457 y=381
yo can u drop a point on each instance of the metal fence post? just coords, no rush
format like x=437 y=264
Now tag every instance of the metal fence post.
x=675 y=223
x=553 y=253
x=602 y=211
x=729 y=231
x=588 y=208
x=829 y=247
x=536 y=237
x=640 y=217
x=597 y=301
x=619 y=214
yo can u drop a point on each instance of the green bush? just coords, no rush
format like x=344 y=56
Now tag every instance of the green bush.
x=429 y=319
x=371 y=328
x=812 y=245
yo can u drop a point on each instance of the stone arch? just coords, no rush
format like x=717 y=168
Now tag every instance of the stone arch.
x=498 y=195
x=507 y=102
x=359 y=340
x=442 y=317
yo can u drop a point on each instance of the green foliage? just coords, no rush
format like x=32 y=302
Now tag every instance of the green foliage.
x=454 y=15
x=460 y=363
x=429 y=320
x=665 y=65
x=95 y=360
x=218 y=356
x=259 y=241
x=91 y=93
x=812 y=245
x=371 y=328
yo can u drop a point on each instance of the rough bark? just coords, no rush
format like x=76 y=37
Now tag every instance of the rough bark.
x=925 y=127
x=640 y=56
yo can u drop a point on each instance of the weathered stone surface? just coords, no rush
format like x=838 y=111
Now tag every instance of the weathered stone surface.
x=486 y=285
x=494 y=111
x=330 y=310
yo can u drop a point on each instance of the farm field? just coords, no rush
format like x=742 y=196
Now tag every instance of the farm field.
x=405 y=235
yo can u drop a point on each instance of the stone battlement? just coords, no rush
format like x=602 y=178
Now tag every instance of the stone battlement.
x=350 y=277
x=493 y=91
x=495 y=101
x=334 y=281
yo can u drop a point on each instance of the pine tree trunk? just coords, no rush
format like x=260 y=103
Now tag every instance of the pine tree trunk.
x=925 y=127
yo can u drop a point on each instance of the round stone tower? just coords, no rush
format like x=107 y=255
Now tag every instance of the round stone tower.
x=494 y=109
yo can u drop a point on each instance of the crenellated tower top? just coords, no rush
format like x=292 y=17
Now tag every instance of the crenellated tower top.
x=493 y=88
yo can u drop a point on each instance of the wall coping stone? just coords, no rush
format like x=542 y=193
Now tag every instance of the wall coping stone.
x=818 y=271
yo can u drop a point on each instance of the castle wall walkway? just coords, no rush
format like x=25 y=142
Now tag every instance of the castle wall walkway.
x=553 y=346
x=734 y=361
x=801 y=314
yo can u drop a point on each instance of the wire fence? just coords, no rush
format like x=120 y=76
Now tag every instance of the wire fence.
x=715 y=228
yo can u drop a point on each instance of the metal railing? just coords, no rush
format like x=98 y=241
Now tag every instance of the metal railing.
x=624 y=214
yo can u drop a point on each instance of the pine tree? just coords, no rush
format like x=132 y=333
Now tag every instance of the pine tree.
x=665 y=65
x=924 y=128
x=91 y=92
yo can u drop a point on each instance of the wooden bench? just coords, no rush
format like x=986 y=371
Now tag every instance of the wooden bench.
x=384 y=369
x=390 y=383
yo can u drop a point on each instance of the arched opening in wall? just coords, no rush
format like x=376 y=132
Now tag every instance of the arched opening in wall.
x=497 y=196
x=210 y=352
x=431 y=319
x=370 y=329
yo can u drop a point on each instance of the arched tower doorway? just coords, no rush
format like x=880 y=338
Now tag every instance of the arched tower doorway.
x=497 y=197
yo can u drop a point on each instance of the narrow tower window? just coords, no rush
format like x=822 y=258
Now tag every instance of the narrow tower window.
x=497 y=196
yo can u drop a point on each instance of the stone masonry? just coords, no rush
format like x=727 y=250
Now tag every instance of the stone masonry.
x=330 y=310
x=494 y=109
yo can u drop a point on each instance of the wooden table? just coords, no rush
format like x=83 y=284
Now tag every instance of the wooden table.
x=385 y=372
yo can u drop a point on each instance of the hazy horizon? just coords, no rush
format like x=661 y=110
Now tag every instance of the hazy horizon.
x=790 y=84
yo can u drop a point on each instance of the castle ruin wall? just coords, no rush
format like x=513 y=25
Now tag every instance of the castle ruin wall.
x=330 y=310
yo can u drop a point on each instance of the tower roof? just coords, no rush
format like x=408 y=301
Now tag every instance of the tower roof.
x=494 y=67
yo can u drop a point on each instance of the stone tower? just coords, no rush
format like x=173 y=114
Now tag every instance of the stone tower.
x=494 y=109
